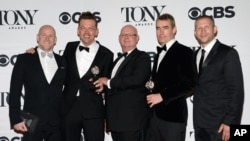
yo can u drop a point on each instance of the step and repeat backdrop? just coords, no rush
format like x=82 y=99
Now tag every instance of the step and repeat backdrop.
x=20 y=21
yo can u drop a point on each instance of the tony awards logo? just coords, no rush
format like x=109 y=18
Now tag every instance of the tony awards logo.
x=150 y=85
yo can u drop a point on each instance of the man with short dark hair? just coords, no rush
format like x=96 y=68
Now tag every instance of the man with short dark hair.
x=83 y=108
x=174 y=78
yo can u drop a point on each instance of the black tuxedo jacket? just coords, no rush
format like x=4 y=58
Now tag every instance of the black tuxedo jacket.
x=91 y=103
x=127 y=108
x=40 y=97
x=174 y=80
x=218 y=97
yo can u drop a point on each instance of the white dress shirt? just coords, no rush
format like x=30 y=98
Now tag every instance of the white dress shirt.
x=207 y=50
x=49 y=65
x=84 y=59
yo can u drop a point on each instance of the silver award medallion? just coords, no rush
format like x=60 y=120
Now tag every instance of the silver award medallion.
x=150 y=85
x=95 y=70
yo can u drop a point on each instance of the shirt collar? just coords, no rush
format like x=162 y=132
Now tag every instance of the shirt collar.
x=130 y=51
x=209 y=46
x=169 y=44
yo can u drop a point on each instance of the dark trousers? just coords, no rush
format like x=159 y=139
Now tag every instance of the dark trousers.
x=161 y=130
x=50 y=134
x=138 y=135
x=203 y=134
x=74 y=125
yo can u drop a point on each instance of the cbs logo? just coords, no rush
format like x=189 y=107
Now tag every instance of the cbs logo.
x=216 y=12
x=5 y=60
x=66 y=18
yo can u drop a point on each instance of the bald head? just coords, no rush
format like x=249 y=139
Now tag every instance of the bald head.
x=49 y=27
x=46 y=38
x=128 y=38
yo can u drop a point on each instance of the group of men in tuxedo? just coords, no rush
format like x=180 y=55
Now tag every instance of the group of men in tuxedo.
x=115 y=98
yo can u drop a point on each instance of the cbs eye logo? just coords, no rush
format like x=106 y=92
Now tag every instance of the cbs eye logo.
x=216 y=12
x=66 y=18
x=5 y=60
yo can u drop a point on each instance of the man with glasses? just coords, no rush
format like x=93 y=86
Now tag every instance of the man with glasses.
x=127 y=110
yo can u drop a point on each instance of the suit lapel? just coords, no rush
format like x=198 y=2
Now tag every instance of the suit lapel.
x=39 y=66
x=116 y=60
x=72 y=53
x=195 y=60
x=211 y=54
x=59 y=66
x=170 y=52
x=155 y=64
x=127 y=59
x=97 y=59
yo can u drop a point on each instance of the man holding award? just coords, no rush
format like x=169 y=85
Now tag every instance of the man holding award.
x=127 y=110
x=83 y=108
x=173 y=78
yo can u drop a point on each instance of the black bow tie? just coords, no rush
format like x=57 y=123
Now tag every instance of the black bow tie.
x=122 y=54
x=159 y=49
x=83 y=48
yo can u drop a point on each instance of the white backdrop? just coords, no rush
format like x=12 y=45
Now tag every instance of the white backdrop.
x=20 y=20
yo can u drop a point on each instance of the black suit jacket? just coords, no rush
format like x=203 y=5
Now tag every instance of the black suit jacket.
x=91 y=103
x=218 y=96
x=40 y=98
x=127 y=108
x=174 y=80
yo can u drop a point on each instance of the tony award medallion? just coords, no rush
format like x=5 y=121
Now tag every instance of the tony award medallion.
x=150 y=85
x=95 y=71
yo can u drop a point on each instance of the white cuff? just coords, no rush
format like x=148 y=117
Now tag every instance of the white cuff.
x=108 y=84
